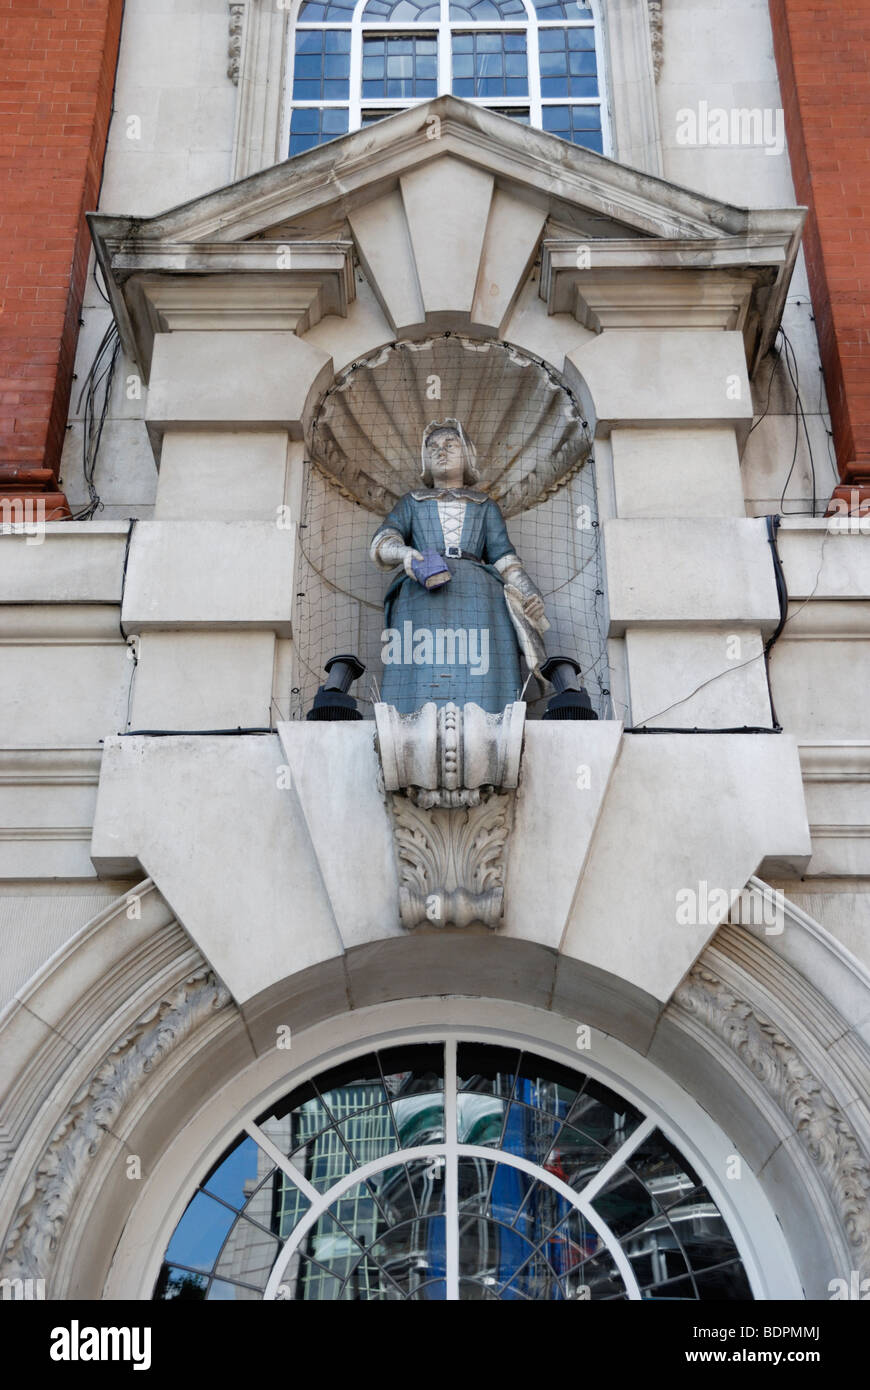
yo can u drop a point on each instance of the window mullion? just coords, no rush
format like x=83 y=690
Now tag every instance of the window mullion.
x=534 y=62
x=355 y=111
x=451 y=1175
x=445 y=56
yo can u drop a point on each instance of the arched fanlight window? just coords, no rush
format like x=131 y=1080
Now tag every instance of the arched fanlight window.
x=352 y=62
x=465 y=1171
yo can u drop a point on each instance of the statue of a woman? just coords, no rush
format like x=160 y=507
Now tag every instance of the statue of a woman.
x=462 y=609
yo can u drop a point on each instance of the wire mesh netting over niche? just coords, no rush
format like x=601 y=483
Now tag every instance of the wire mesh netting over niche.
x=533 y=459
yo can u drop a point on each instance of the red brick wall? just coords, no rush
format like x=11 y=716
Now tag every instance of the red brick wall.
x=58 y=68
x=823 y=51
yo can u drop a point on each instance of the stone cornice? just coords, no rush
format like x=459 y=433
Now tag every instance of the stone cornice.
x=727 y=282
x=838 y=761
x=158 y=287
x=31 y=767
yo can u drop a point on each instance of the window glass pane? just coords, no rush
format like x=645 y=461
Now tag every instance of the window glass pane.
x=489 y=9
x=514 y=113
x=308 y=41
x=564 y=9
x=370 y=1135
x=399 y=66
x=235 y=1174
x=352 y=1086
x=327 y=1161
x=604 y=1116
x=727 y=1282
x=624 y=1203
x=581 y=63
x=222 y=1291
x=411 y=1255
x=484 y=67
x=536 y=1281
x=180 y=1284
x=200 y=1233
x=575 y=1158
x=547 y=1085
x=553 y=63
x=419 y=1119
x=579 y=124
x=519 y=1236
x=305 y=122
x=487 y=1069
x=595 y=1279
x=248 y=1255
x=573 y=1242
x=480 y=1119
x=529 y=1132
x=321 y=67
x=334 y=122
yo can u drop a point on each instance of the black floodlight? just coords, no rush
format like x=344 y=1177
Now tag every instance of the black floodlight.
x=570 y=700
x=332 y=700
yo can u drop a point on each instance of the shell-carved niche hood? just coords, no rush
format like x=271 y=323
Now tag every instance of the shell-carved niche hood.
x=529 y=433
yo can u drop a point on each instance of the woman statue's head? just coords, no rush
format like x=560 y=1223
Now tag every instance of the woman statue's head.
x=448 y=456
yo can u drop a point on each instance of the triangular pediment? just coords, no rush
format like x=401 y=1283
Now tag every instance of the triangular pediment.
x=314 y=191
x=424 y=200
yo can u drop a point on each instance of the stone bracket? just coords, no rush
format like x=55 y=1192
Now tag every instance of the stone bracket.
x=450 y=776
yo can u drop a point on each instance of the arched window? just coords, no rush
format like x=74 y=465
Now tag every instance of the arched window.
x=465 y=1171
x=353 y=62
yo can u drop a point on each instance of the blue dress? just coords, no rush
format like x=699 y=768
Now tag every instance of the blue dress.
x=457 y=642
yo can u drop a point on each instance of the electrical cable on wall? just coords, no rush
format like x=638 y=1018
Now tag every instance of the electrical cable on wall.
x=95 y=393
x=791 y=366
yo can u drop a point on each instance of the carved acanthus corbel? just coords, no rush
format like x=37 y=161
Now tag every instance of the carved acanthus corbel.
x=450 y=775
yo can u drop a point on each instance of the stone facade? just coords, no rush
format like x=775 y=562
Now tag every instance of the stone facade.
x=184 y=870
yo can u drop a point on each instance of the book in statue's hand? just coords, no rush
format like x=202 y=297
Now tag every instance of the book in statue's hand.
x=432 y=570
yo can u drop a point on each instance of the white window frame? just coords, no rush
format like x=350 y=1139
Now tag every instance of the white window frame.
x=662 y=1104
x=443 y=31
x=451 y=1151
x=627 y=82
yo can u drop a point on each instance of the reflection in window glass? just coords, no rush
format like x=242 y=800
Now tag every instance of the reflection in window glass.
x=564 y=9
x=524 y=1233
x=310 y=126
x=397 y=65
x=401 y=11
x=490 y=65
x=481 y=11
x=485 y=65
x=579 y=124
x=321 y=67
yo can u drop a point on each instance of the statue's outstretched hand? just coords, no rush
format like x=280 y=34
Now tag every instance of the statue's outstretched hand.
x=533 y=607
